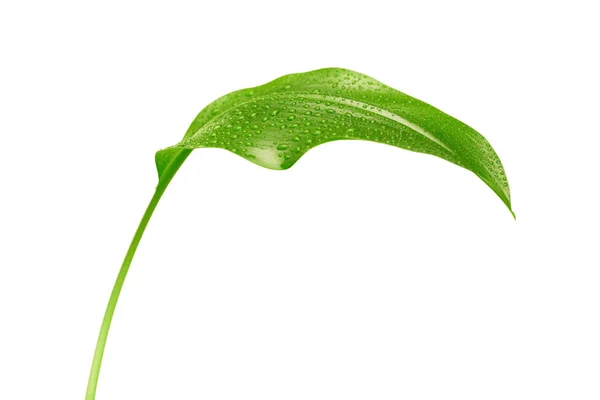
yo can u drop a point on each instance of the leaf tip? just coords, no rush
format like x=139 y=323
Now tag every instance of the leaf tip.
x=508 y=204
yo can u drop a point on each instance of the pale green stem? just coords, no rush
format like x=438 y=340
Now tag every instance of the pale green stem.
x=165 y=178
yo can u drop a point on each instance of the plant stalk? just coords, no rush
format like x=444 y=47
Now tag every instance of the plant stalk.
x=164 y=180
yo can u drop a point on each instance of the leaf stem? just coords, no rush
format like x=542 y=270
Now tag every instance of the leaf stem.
x=165 y=178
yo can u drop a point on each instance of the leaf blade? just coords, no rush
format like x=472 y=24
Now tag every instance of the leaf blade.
x=275 y=124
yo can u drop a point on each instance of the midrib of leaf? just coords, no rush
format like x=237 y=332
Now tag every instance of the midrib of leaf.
x=346 y=101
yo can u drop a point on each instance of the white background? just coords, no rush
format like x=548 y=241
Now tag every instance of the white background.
x=364 y=272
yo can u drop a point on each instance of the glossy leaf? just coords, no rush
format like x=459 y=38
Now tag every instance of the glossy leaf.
x=273 y=125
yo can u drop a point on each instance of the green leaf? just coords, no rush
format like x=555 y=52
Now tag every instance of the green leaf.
x=273 y=125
